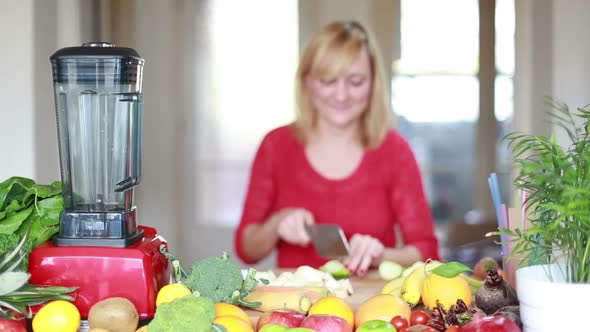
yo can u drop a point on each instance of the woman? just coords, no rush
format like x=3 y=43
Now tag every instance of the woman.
x=337 y=163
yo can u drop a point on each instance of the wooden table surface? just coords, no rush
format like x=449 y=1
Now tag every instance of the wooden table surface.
x=363 y=288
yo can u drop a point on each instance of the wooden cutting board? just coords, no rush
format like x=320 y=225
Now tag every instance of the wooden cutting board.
x=363 y=288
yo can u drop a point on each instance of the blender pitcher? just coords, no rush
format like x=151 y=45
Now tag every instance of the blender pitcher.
x=99 y=124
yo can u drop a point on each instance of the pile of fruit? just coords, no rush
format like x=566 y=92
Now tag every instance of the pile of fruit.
x=447 y=298
x=212 y=296
x=428 y=296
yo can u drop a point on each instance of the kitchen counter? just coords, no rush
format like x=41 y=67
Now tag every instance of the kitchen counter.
x=363 y=288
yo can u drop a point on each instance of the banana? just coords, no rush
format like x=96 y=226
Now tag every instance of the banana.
x=283 y=298
x=397 y=292
x=393 y=286
x=412 y=286
x=406 y=272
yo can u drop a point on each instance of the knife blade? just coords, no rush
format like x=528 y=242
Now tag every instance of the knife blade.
x=329 y=240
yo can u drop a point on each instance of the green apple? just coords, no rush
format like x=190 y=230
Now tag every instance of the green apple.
x=376 y=325
x=273 y=327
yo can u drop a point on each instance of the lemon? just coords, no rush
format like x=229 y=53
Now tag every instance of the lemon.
x=335 y=306
x=57 y=316
x=445 y=290
x=171 y=292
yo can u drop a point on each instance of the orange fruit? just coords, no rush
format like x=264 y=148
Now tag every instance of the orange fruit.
x=383 y=307
x=227 y=309
x=335 y=306
x=233 y=324
x=445 y=290
x=57 y=316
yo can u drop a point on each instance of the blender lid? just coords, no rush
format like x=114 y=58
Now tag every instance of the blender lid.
x=96 y=49
x=96 y=63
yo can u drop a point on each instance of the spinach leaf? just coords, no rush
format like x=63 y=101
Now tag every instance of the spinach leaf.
x=12 y=223
x=15 y=188
x=28 y=206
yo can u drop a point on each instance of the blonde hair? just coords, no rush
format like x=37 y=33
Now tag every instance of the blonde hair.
x=327 y=55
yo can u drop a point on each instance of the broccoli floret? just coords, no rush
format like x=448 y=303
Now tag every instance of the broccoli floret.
x=187 y=313
x=216 y=278
x=222 y=281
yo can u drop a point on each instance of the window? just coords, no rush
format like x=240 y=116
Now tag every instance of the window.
x=435 y=92
x=249 y=66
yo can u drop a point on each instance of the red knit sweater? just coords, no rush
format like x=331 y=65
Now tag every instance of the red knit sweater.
x=384 y=191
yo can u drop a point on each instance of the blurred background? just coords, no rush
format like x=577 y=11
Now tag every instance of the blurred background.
x=219 y=75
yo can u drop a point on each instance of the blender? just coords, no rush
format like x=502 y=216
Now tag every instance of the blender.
x=100 y=248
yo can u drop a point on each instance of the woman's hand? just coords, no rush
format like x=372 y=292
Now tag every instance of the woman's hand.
x=365 y=251
x=291 y=225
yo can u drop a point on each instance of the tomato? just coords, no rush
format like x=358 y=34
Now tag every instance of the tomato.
x=419 y=317
x=400 y=322
x=453 y=328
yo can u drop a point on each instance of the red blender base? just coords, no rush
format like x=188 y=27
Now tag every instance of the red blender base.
x=136 y=272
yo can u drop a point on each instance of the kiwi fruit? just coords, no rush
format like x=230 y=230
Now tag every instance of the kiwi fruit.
x=115 y=314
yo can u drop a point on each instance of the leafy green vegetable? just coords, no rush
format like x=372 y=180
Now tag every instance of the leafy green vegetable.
x=217 y=278
x=28 y=206
x=187 y=313
x=16 y=294
x=221 y=280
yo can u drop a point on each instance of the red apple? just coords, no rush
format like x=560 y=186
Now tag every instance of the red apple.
x=326 y=323
x=283 y=317
x=494 y=323
x=11 y=325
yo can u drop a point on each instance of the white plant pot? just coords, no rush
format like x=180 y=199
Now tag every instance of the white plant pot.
x=544 y=302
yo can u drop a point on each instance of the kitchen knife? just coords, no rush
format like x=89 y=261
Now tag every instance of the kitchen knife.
x=329 y=240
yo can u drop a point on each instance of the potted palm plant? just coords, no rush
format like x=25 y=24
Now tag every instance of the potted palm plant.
x=554 y=243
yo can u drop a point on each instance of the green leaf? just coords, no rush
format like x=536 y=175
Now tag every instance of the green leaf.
x=11 y=281
x=12 y=223
x=14 y=189
x=52 y=203
x=48 y=289
x=14 y=206
x=44 y=191
x=21 y=308
x=11 y=255
x=49 y=210
x=450 y=269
